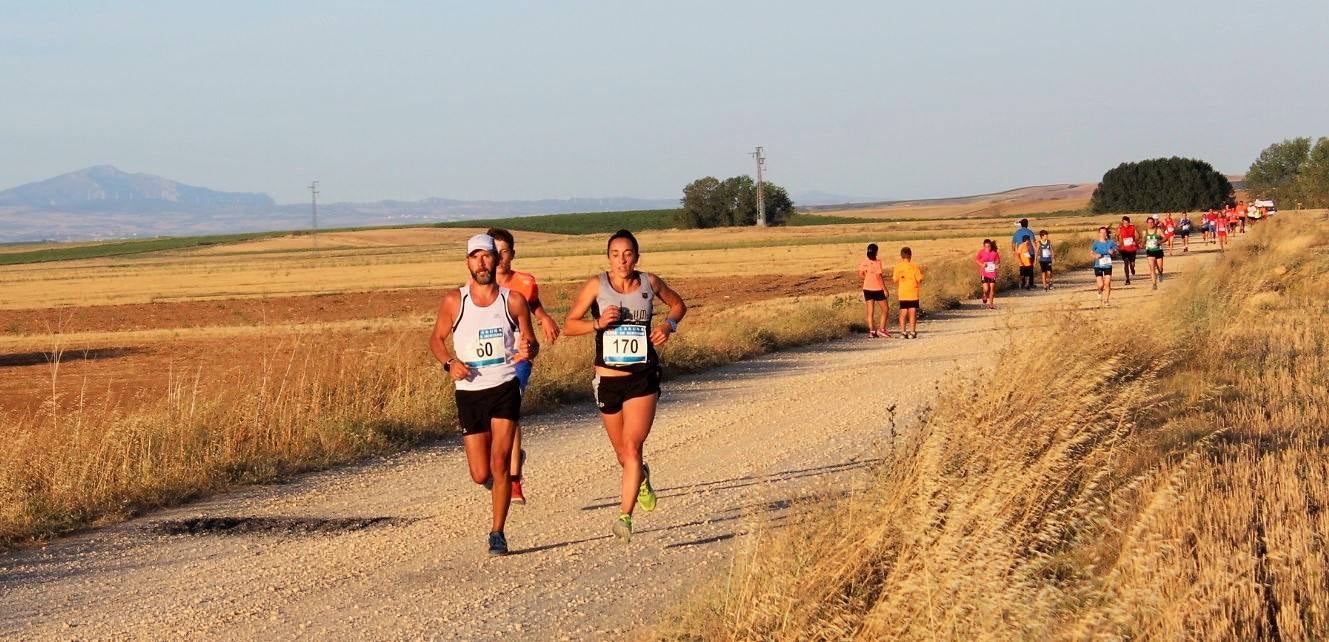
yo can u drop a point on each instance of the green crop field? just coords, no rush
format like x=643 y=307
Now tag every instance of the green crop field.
x=120 y=248
x=608 y=222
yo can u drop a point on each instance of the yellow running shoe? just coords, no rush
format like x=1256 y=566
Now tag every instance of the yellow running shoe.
x=623 y=527
x=646 y=494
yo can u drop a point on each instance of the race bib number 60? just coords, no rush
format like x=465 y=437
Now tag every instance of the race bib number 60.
x=486 y=350
x=624 y=344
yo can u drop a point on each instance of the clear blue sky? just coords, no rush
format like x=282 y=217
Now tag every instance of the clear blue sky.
x=557 y=99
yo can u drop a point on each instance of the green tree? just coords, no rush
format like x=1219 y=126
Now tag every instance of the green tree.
x=702 y=204
x=1161 y=185
x=710 y=202
x=1275 y=174
x=1312 y=184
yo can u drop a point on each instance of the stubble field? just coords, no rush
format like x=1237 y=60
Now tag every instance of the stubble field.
x=156 y=377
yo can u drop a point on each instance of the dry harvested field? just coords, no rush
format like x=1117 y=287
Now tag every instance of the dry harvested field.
x=124 y=326
x=1026 y=200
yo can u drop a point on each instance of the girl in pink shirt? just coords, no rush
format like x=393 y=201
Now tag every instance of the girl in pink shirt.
x=988 y=261
x=874 y=291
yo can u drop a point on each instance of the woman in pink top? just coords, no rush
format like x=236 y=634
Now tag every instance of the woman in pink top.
x=988 y=261
x=874 y=291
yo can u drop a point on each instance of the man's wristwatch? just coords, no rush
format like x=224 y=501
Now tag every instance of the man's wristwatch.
x=447 y=365
x=673 y=325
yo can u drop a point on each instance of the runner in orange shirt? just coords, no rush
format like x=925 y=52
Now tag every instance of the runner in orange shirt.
x=874 y=292
x=523 y=284
x=907 y=278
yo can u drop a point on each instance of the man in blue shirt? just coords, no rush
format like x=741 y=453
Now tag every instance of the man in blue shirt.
x=1019 y=237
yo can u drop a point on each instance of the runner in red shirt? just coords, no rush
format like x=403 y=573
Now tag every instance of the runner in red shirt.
x=523 y=284
x=1128 y=240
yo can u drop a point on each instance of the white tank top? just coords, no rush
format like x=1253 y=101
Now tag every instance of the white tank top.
x=485 y=339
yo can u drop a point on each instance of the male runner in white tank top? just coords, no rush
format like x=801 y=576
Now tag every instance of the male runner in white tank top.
x=483 y=319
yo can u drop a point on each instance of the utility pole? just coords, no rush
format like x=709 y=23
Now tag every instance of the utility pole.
x=761 y=192
x=313 y=204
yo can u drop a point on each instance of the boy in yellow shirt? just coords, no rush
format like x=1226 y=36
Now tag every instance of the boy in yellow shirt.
x=907 y=278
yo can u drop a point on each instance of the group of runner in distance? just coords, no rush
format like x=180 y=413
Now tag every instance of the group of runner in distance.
x=1157 y=238
x=494 y=343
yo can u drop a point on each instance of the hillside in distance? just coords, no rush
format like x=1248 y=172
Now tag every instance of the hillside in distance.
x=106 y=189
x=103 y=202
x=1023 y=200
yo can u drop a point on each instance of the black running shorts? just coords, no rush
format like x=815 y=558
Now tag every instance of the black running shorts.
x=475 y=408
x=1045 y=266
x=1128 y=256
x=1026 y=270
x=1098 y=271
x=611 y=392
x=1154 y=254
x=874 y=295
x=989 y=279
x=908 y=305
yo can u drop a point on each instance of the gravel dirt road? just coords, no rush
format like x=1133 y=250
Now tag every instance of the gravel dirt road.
x=395 y=548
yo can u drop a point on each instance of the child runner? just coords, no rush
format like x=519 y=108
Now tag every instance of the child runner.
x=1184 y=230
x=1102 y=250
x=627 y=368
x=1207 y=226
x=1045 y=255
x=1153 y=250
x=907 y=278
x=1129 y=243
x=523 y=284
x=874 y=292
x=483 y=320
x=1025 y=253
x=988 y=260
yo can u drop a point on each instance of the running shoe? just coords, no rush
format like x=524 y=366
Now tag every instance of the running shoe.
x=489 y=483
x=498 y=544
x=872 y=334
x=646 y=494
x=1155 y=286
x=623 y=527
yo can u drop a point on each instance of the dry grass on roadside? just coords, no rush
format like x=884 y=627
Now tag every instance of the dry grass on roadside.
x=1159 y=479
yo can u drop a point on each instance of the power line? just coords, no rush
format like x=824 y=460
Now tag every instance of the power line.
x=761 y=192
x=313 y=204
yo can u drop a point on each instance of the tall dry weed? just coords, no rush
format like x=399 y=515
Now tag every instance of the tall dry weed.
x=1163 y=476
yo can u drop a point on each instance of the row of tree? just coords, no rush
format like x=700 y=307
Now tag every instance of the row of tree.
x=1161 y=185
x=711 y=202
x=1294 y=173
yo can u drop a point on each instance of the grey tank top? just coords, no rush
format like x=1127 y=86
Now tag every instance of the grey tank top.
x=626 y=345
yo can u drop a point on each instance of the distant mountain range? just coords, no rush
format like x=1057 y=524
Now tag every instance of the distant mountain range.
x=103 y=202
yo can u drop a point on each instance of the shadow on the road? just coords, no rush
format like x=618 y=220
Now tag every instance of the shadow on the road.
x=40 y=358
x=740 y=482
x=274 y=525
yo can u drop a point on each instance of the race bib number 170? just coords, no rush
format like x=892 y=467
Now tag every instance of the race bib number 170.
x=625 y=344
